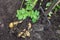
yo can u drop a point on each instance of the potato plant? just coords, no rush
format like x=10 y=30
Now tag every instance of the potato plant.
x=23 y=13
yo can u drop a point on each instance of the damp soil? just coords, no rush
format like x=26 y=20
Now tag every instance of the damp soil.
x=41 y=30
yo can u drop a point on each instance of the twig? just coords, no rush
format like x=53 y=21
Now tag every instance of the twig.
x=49 y=23
x=52 y=6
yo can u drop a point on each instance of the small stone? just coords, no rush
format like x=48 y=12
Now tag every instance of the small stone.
x=37 y=36
x=38 y=27
x=59 y=26
x=1 y=25
x=58 y=31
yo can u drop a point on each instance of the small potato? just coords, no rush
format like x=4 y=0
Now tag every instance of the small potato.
x=23 y=36
x=11 y=25
x=20 y=21
x=24 y=29
x=28 y=33
x=19 y=34
x=29 y=25
x=16 y=22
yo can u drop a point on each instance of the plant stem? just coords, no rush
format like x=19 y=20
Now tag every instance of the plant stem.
x=21 y=4
x=35 y=2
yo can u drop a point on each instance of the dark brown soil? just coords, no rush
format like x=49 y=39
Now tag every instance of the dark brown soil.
x=48 y=31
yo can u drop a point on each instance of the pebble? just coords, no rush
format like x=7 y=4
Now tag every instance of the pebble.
x=38 y=27
x=1 y=23
x=59 y=26
x=58 y=31
x=37 y=36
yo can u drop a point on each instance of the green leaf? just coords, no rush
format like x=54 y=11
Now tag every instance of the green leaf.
x=20 y=18
x=36 y=12
x=33 y=20
x=58 y=6
x=48 y=4
x=50 y=14
x=28 y=11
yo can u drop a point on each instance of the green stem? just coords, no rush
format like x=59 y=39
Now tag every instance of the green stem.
x=34 y=3
x=21 y=4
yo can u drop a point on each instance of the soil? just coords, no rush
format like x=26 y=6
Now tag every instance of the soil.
x=41 y=30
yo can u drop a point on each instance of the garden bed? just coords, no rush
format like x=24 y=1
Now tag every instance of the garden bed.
x=45 y=28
